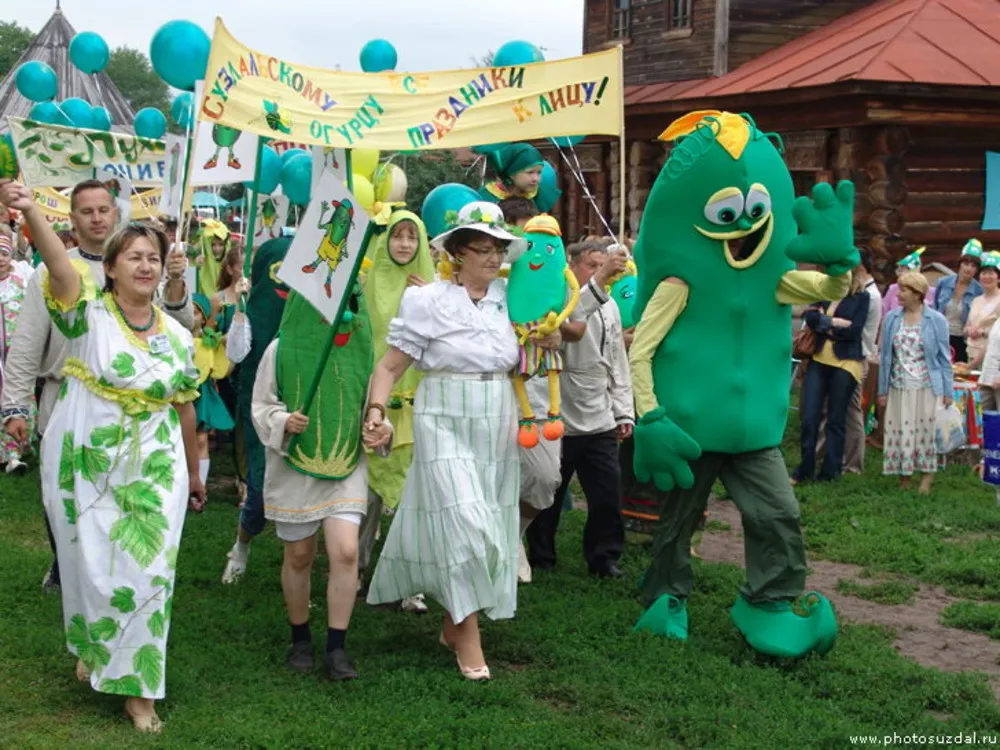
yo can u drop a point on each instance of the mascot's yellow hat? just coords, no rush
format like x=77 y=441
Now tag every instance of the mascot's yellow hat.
x=543 y=224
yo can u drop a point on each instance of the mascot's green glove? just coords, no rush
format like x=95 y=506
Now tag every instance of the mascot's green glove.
x=826 y=229
x=663 y=452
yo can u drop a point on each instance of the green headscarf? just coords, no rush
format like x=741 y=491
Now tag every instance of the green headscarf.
x=331 y=446
x=384 y=287
x=507 y=162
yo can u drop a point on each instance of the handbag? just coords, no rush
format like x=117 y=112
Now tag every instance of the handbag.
x=804 y=343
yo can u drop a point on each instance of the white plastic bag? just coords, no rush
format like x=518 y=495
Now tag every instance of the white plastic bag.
x=949 y=434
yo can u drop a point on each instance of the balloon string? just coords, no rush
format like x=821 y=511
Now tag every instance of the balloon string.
x=588 y=196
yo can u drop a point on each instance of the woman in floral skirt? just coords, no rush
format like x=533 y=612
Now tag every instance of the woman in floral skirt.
x=914 y=376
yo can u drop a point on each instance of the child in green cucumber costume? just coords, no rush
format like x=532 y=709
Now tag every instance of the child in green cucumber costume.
x=400 y=256
x=215 y=242
x=711 y=365
x=264 y=308
x=315 y=466
x=537 y=303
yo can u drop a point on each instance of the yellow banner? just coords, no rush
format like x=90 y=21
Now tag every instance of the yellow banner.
x=253 y=91
x=54 y=204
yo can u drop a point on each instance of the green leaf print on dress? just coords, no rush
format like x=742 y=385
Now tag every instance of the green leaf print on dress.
x=156 y=390
x=173 y=417
x=124 y=365
x=92 y=462
x=63 y=388
x=123 y=599
x=69 y=505
x=157 y=623
x=66 y=463
x=94 y=655
x=148 y=662
x=159 y=469
x=109 y=436
x=128 y=685
x=171 y=556
x=103 y=630
x=140 y=531
x=163 y=432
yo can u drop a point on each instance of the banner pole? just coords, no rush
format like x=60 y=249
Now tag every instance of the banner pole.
x=622 y=198
x=328 y=344
x=249 y=227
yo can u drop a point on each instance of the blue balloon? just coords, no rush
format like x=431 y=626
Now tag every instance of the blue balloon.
x=48 y=113
x=101 y=119
x=548 y=189
x=182 y=109
x=36 y=81
x=270 y=172
x=567 y=141
x=89 y=52
x=79 y=112
x=179 y=53
x=451 y=196
x=150 y=123
x=287 y=156
x=517 y=53
x=296 y=179
x=378 y=55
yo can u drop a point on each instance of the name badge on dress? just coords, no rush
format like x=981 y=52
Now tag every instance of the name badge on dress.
x=159 y=344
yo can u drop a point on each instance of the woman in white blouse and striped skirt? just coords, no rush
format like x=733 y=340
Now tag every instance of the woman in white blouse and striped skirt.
x=455 y=535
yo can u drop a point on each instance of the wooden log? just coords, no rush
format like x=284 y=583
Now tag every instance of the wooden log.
x=887 y=193
x=861 y=180
x=890 y=168
x=888 y=245
x=944 y=139
x=943 y=213
x=852 y=156
x=893 y=140
x=946 y=181
x=863 y=206
x=954 y=233
x=886 y=220
x=954 y=158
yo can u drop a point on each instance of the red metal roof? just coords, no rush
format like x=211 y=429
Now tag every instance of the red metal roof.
x=949 y=42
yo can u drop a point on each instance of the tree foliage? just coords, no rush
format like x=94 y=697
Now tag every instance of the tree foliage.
x=14 y=40
x=133 y=74
x=426 y=171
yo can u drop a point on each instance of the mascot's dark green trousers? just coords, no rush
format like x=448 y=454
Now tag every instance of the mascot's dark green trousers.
x=758 y=484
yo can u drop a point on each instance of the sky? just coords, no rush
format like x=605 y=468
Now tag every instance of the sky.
x=428 y=34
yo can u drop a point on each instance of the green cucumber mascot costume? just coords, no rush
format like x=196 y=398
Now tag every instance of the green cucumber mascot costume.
x=711 y=365
x=265 y=306
x=538 y=304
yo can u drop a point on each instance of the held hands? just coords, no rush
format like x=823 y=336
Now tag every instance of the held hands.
x=375 y=433
x=551 y=341
x=414 y=280
x=826 y=229
x=663 y=452
x=297 y=423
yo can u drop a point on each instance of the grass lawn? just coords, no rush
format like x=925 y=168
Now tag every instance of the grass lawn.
x=568 y=673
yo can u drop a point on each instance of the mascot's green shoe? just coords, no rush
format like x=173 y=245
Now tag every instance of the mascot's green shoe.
x=667 y=616
x=778 y=629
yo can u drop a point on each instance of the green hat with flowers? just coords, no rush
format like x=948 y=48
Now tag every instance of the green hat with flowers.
x=912 y=261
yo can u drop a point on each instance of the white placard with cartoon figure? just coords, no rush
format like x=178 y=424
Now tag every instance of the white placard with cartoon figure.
x=173 y=177
x=326 y=245
x=272 y=215
x=328 y=159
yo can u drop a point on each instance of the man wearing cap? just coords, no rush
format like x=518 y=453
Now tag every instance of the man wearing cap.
x=39 y=349
x=955 y=294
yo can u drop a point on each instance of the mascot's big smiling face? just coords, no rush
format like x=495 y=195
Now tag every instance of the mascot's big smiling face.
x=742 y=222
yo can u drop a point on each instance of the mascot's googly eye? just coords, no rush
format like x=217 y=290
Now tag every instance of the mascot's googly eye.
x=758 y=202
x=724 y=207
x=531 y=245
x=273 y=272
x=550 y=249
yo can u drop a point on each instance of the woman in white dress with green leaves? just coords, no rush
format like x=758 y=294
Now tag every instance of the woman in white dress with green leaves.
x=117 y=458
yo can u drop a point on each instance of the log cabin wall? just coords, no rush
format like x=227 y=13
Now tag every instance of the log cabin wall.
x=653 y=52
x=756 y=26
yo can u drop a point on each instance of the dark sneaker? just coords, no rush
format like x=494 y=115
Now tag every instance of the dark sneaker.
x=300 y=657
x=339 y=666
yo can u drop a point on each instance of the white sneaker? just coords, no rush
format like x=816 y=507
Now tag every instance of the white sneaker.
x=523 y=568
x=236 y=566
x=16 y=467
x=414 y=604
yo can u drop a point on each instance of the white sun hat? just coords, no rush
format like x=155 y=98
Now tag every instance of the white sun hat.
x=485 y=217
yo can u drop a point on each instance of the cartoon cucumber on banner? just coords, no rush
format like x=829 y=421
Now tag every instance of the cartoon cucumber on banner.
x=333 y=248
x=224 y=138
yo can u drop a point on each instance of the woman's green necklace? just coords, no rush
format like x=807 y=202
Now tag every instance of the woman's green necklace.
x=135 y=328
